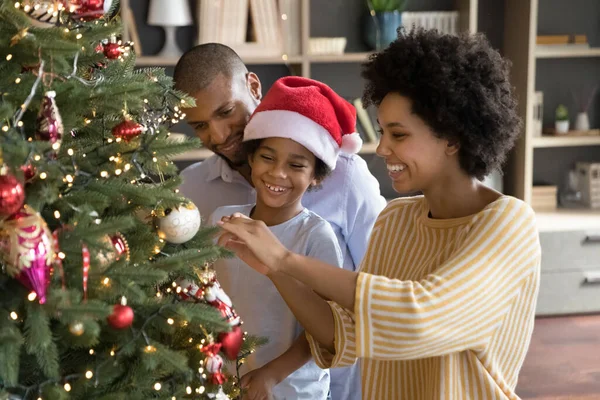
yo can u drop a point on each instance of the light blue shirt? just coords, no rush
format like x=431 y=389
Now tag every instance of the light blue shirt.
x=349 y=200
x=264 y=311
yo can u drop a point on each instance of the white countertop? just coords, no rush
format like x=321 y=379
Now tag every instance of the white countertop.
x=568 y=220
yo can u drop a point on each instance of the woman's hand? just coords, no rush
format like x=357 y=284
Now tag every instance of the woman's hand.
x=253 y=242
x=258 y=384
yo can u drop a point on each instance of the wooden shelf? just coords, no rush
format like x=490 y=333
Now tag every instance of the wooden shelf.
x=145 y=61
x=568 y=220
x=339 y=58
x=194 y=155
x=565 y=141
x=201 y=154
x=368 y=148
x=565 y=52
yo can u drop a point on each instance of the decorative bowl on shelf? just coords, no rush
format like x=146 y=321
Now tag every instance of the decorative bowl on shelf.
x=327 y=45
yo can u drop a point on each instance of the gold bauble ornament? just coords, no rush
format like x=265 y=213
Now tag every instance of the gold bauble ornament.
x=76 y=328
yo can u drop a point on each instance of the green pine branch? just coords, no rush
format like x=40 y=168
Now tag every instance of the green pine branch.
x=39 y=340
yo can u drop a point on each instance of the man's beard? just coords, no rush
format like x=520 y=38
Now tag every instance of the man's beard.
x=239 y=157
x=239 y=161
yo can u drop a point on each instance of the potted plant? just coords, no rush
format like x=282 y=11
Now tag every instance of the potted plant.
x=382 y=22
x=561 y=120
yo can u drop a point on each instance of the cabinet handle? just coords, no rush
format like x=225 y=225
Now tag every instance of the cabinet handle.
x=592 y=239
x=591 y=278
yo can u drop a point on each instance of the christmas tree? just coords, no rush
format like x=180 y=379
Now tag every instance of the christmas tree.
x=105 y=289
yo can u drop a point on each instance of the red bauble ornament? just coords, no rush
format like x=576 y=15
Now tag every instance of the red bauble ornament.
x=127 y=130
x=231 y=342
x=122 y=317
x=112 y=51
x=29 y=172
x=12 y=195
x=90 y=9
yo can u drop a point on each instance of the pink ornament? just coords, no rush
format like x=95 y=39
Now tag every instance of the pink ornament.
x=50 y=126
x=26 y=247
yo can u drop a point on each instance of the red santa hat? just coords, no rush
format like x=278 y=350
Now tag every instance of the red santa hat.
x=310 y=113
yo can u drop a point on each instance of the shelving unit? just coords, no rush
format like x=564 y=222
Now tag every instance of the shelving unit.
x=565 y=141
x=200 y=154
x=565 y=220
x=520 y=32
x=565 y=52
x=301 y=64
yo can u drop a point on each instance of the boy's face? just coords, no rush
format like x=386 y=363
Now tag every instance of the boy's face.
x=222 y=112
x=282 y=170
x=416 y=159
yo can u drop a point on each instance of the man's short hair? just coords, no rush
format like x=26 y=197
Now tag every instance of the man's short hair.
x=199 y=66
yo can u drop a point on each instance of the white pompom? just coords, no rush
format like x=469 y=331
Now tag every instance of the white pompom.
x=351 y=143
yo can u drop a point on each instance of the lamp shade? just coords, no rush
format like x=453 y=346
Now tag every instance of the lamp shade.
x=169 y=13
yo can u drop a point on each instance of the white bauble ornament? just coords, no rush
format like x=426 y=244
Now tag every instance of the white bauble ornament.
x=179 y=224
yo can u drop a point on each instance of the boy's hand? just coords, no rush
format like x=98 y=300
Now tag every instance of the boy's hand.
x=258 y=384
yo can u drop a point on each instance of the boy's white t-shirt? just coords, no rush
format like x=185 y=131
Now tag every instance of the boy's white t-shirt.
x=263 y=310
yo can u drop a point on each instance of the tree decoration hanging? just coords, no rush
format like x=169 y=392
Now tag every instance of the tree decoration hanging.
x=118 y=248
x=214 y=362
x=179 y=225
x=122 y=315
x=27 y=250
x=76 y=328
x=12 y=194
x=50 y=127
x=112 y=50
x=89 y=10
x=127 y=130
x=44 y=13
x=29 y=172
x=214 y=295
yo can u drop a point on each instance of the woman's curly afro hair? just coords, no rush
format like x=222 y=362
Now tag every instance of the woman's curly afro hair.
x=458 y=85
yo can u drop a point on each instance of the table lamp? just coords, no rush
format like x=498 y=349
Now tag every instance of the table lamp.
x=170 y=14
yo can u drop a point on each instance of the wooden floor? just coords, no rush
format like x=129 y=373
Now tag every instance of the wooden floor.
x=563 y=362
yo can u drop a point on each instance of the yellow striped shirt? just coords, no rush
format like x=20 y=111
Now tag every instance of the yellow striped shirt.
x=444 y=308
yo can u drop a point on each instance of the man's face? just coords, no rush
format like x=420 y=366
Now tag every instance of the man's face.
x=222 y=112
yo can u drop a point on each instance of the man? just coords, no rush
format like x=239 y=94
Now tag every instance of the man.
x=226 y=95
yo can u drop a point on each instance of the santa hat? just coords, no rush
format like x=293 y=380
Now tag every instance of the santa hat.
x=310 y=113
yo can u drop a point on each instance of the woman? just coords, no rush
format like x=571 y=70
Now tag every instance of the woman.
x=444 y=305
